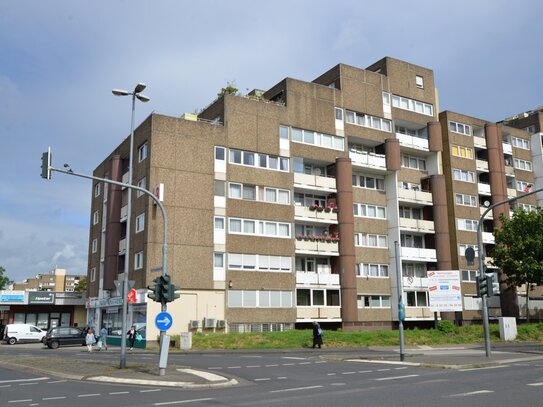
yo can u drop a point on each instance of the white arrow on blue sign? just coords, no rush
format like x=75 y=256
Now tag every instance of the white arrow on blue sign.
x=163 y=321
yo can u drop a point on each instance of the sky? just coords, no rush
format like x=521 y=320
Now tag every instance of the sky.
x=59 y=60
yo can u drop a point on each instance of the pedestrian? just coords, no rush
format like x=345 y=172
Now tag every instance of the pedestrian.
x=317 y=334
x=103 y=337
x=131 y=336
x=90 y=339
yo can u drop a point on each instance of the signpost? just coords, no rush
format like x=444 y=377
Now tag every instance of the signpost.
x=444 y=290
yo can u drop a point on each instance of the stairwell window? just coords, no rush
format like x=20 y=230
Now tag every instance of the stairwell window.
x=140 y=223
x=142 y=152
x=138 y=261
x=419 y=80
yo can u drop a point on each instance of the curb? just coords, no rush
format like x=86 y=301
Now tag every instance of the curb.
x=162 y=383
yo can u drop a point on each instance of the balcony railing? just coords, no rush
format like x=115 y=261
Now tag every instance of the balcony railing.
x=372 y=160
x=410 y=195
x=314 y=247
x=481 y=165
x=507 y=148
x=310 y=181
x=415 y=282
x=488 y=238
x=122 y=246
x=413 y=141
x=479 y=142
x=124 y=213
x=483 y=188
x=413 y=253
x=308 y=278
x=417 y=224
x=313 y=313
x=320 y=216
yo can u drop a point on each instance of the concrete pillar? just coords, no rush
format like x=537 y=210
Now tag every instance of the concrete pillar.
x=113 y=224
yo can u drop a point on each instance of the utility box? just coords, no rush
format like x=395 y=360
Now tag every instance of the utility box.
x=508 y=328
x=186 y=340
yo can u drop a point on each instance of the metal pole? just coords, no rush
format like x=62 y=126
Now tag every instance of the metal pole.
x=400 y=305
x=482 y=261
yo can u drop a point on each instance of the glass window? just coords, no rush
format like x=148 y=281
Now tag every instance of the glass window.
x=235 y=156
x=309 y=137
x=235 y=191
x=219 y=223
x=248 y=158
x=219 y=153
x=318 y=297
x=235 y=225
x=248 y=226
x=264 y=299
x=283 y=132
x=249 y=192
x=218 y=260
x=142 y=152
x=219 y=187
x=296 y=134
x=235 y=298
x=249 y=298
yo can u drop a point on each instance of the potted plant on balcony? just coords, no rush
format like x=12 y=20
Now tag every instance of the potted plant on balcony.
x=300 y=236
x=320 y=209
x=335 y=209
x=313 y=207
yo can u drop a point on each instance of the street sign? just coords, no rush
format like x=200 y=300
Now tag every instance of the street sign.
x=163 y=321
x=444 y=290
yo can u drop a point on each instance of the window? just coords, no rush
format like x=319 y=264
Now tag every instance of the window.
x=218 y=260
x=373 y=301
x=142 y=183
x=93 y=274
x=138 y=261
x=220 y=187
x=419 y=80
x=220 y=153
x=259 y=299
x=410 y=213
x=413 y=162
x=417 y=270
x=94 y=245
x=523 y=164
x=463 y=175
x=469 y=275
x=466 y=200
x=464 y=152
x=273 y=195
x=363 y=181
x=339 y=113
x=259 y=262
x=317 y=139
x=142 y=152
x=371 y=270
x=460 y=128
x=283 y=132
x=265 y=161
x=412 y=105
x=97 y=188
x=369 y=211
x=413 y=241
x=524 y=186
x=467 y=224
x=364 y=120
x=218 y=223
x=140 y=222
x=526 y=207
x=416 y=298
x=259 y=228
x=370 y=240
x=317 y=297
x=95 y=218
x=521 y=143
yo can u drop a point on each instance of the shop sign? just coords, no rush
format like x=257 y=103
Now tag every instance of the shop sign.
x=16 y=297
x=41 y=297
x=104 y=302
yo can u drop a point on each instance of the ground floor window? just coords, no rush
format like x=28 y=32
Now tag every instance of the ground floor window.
x=43 y=320
x=306 y=297
x=416 y=298
x=112 y=319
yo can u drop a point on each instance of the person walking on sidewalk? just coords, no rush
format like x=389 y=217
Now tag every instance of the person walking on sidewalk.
x=103 y=337
x=317 y=334
x=90 y=339
x=131 y=335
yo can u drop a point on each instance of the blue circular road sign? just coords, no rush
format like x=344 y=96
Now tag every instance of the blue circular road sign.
x=163 y=321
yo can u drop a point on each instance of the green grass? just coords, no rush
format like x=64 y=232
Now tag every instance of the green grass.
x=339 y=339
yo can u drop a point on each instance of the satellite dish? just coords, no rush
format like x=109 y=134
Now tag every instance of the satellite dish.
x=318 y=171
x=486 y=203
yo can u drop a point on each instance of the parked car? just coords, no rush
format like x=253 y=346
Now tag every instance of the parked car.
x=14 y=333
x=64 y=335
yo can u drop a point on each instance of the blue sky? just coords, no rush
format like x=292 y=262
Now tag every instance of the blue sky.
x=60 y=59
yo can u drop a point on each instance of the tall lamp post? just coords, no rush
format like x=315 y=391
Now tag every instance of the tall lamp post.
x=135 y=94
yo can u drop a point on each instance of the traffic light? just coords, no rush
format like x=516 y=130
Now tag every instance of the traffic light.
x=169 y=289
x=157 y=290
x=46 y=164
x=484 y=286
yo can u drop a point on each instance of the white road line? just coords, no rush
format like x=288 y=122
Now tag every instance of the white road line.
x=471 y=393
x=118 y=392
x=20 y=401
x=252 y=366
x=263 y=379
x=397 y=377
x=89 y=395
x=252 y=356
x=58 y=381
x=400 y=368
x=165 y=403
x=271 y=365
x=234 y=367
x=304 y=363
x=383 y=370
x=24 y=380
x=482 y=368
x=295 y=389
x=338 y=384
x=149 y=391
x=331 y=374
x=27 y=384
x=281 y=378
x=292 y=357
x=215 y=368
x=54 y=398
x=288 y=364
x=365 y=371
x=321 y=361
x=5 y=385
x=535 y=384
x=348 y=373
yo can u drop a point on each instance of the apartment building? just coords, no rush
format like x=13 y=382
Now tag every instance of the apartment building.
x=56 y=280
x=293 y=204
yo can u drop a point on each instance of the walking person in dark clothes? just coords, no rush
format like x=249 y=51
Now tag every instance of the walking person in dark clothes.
x=131 y=335
x=317 y=334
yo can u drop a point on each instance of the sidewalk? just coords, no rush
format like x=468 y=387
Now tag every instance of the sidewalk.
x=146 y=373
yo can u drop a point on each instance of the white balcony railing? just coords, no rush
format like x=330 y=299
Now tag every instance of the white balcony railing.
x=481 y=165
x=417 y=225
x=507 y=148
x=122 y=246
x=313 y=247
x=305 y=212
x=308 y=278
x=410 y=195
x=412 y=141
x=483 y=188
x=479 y=142
x=124 y=213
x=372 y=160
x=413 y=253
x=482 y=209
x=310 y=181
x=320 y=313
x=488 y=238
x=415 y=282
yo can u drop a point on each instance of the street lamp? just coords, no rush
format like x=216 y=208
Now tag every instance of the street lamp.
x=135 y=94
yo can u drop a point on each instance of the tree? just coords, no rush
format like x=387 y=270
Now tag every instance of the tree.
x=519 y=249
x=81 y=287
x=4 y=280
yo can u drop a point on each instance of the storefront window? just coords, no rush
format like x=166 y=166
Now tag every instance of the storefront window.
x=19 y=318
x=43 y=320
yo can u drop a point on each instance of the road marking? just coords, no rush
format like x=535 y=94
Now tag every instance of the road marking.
x=400 y=368
x=304 y=363
x=338 y=384
x=471 y=393
x=252 y=356
x=19 y=401
x=58 y=381
x=27 y=384
x=5 y=385
x=295 y=389
x=149 y=391
x=292 y=357
x=215 y=368
x=263 y=379
x=482 y=368
x=212 y=377
x=535 y=384
x=252 y=366
x=271 y=365
x=54 y=398
x=234 y=367
x=89 y=395
x=348 y=373
x=397 y=377
x=321 y=361
x=288 y=364
x=281 y=378
x=383 y=370
x=118 y=392
x=165 y=403
x=331 y=374
x=365 y=371
x=24 y=380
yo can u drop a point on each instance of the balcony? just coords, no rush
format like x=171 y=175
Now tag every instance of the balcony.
x=418 y=225
x=488 y=214
x=509 y=170
x=124 y=213
x=317 y=247
x=479 y=142
x=314 y=182
x=312 y=278
x=314 y=215
x=122 y=246
x=483 y=189
x=507 y=148
x=488 y=238
x=124 y=180
x=368 y=160
x=420 y=197
x=414 y=282
x=333 y=314
x=416 y=254
x=417 y=143
x=481 y=165
x=418 y=313
x=511 y=192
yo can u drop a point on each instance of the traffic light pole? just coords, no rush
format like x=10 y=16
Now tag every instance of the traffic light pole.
x=482 y=261
x=164 y=248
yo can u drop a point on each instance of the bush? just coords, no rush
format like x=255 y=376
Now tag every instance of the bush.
x=446 y=327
